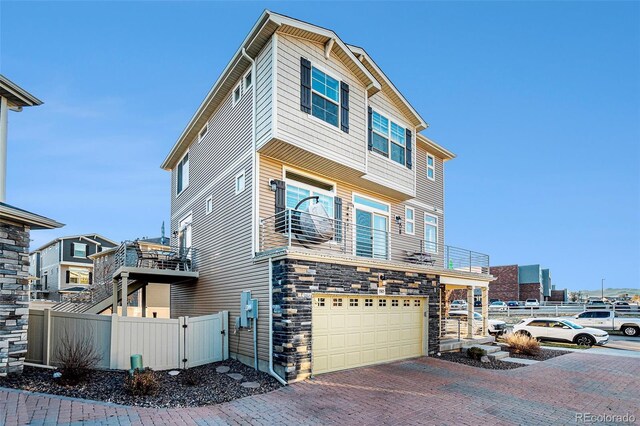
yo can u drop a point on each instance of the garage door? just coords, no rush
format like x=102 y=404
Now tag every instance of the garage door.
x=352 y=331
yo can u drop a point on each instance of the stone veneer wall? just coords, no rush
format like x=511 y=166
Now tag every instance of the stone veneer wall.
x=14 y=296
x=294 y=281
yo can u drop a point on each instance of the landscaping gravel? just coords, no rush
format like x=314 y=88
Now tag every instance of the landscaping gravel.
x=175 y=391
x=544 y=354
x=462 y=358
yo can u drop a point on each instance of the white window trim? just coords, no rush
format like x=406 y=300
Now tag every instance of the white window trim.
x=208 y=205
x=244 y=80
x=400 y=123
x=431 y=167
x=238 y=87
x=204 y=129
x=179 y=162
x=407 y=221
x=74 y=250
x=372 y=210
x=244 y=182
x=323 y=70
x=424 y=230
x=312 y=188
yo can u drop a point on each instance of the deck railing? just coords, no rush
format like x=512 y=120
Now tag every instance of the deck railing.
x=130 y=254
x=294 y=228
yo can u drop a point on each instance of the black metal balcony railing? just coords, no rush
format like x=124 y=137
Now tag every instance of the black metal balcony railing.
x=294 y=228
x=130 y=254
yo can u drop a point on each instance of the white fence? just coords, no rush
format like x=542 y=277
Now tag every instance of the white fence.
x=163 y=343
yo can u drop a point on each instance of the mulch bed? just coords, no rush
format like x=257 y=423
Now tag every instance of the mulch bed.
x=175 y=391
x=462 y=358
x=544 y=354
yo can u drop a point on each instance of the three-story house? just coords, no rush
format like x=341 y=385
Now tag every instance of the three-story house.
x=304 y=178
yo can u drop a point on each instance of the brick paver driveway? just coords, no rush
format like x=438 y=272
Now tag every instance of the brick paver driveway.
x=420 y=391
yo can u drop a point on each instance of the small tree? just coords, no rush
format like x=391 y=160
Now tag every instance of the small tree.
x=76 y=356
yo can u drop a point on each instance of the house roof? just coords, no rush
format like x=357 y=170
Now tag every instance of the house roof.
x=71 y=237
x=17 y=96
x=24 y=217
x=354 y=57
x=435 y=148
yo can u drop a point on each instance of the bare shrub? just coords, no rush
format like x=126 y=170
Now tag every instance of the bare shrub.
x=523 y=344
x=142 y=382
x=76 y=356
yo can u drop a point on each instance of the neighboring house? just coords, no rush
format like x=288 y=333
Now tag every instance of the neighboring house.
x=64 y=267
x=351 y=277
x=522 y=282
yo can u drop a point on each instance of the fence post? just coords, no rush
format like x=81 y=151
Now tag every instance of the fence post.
x=182 y=340
x=225 y=336
x=556 y=310
x=113 y=353
x=46 y=337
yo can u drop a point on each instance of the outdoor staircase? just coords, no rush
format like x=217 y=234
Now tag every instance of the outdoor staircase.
x=95 y=299
x=493 y=352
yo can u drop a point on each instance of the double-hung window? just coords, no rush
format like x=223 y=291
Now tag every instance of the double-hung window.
x=410 y=220
x=430 y=233
x=388 y=138
x=79 y=250
x=325 y=96
x=431 y=164
x=183 y=174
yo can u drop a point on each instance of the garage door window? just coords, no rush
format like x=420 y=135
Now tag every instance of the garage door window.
x=320 y=301
x=416 y=302
x=394 y=302
x=337 y=302
x=353 y=302
x=368 y=302
x=382 y=302
x=406 y=303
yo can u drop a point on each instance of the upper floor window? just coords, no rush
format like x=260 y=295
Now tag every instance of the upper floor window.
x=410 y=220
x=79 y=250
x=203 y=132
x=431 y=164
x=183 y=174
x=240 y=182
x=237 y=93
x=388 y=138
x=325 y=96
x=208 y=205
x=248 y=80
x=430 y=233
x=300 y=187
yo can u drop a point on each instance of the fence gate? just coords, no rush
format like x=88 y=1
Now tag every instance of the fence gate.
x=204 y=339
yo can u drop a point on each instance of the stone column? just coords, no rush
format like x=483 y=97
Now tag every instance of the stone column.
x=470 y=312
x=485 y=311
x=14 y=296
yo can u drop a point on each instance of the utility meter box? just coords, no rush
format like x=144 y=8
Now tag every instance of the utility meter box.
x=248 y=308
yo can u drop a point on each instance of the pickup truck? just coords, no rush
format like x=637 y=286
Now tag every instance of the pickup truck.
x=609 y=320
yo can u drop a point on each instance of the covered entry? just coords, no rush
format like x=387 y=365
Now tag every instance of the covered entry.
x=355 y=330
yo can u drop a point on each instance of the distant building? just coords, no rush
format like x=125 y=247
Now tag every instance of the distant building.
x=62 y=267
x=522 y=282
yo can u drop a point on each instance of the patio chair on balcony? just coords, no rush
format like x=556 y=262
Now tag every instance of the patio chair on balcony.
x=146 y=259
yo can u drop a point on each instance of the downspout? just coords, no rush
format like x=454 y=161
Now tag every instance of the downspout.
x=271 y=370
x=254 y=172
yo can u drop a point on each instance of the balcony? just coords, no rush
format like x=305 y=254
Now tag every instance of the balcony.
x=301 y=231
x=166 y=264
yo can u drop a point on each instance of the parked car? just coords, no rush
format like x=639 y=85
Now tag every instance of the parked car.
x=621 y=306
x=496 y=327
x=561 y=330
x=498 y=306
x=531 y=303
x=609 y=320
x=458 y=304
x=513 y=303
x=596 y=304
x=477 y=304
x=494 y=300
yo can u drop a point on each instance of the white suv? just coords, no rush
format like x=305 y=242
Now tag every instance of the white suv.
x=561 y=330
x=458 y=304
x=531 y=303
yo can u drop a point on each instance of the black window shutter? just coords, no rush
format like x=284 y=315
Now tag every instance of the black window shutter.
x=409 y=149
x=305 y=85
x=281 y=205
x=337 y=215
x=179 y=186
x=344 y=107
x=68 y=276
x=90 y=277
x=72 y=250
x=370 y=128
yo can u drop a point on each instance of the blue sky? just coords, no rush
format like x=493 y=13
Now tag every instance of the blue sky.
x=539 y=100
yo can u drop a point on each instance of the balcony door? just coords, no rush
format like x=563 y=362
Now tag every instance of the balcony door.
x=372 y=228
x=184 y=233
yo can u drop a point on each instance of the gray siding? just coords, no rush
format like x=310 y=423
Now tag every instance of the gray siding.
x=264 y=87
x=305 y=131
x=428 y=191
x=222 y=238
